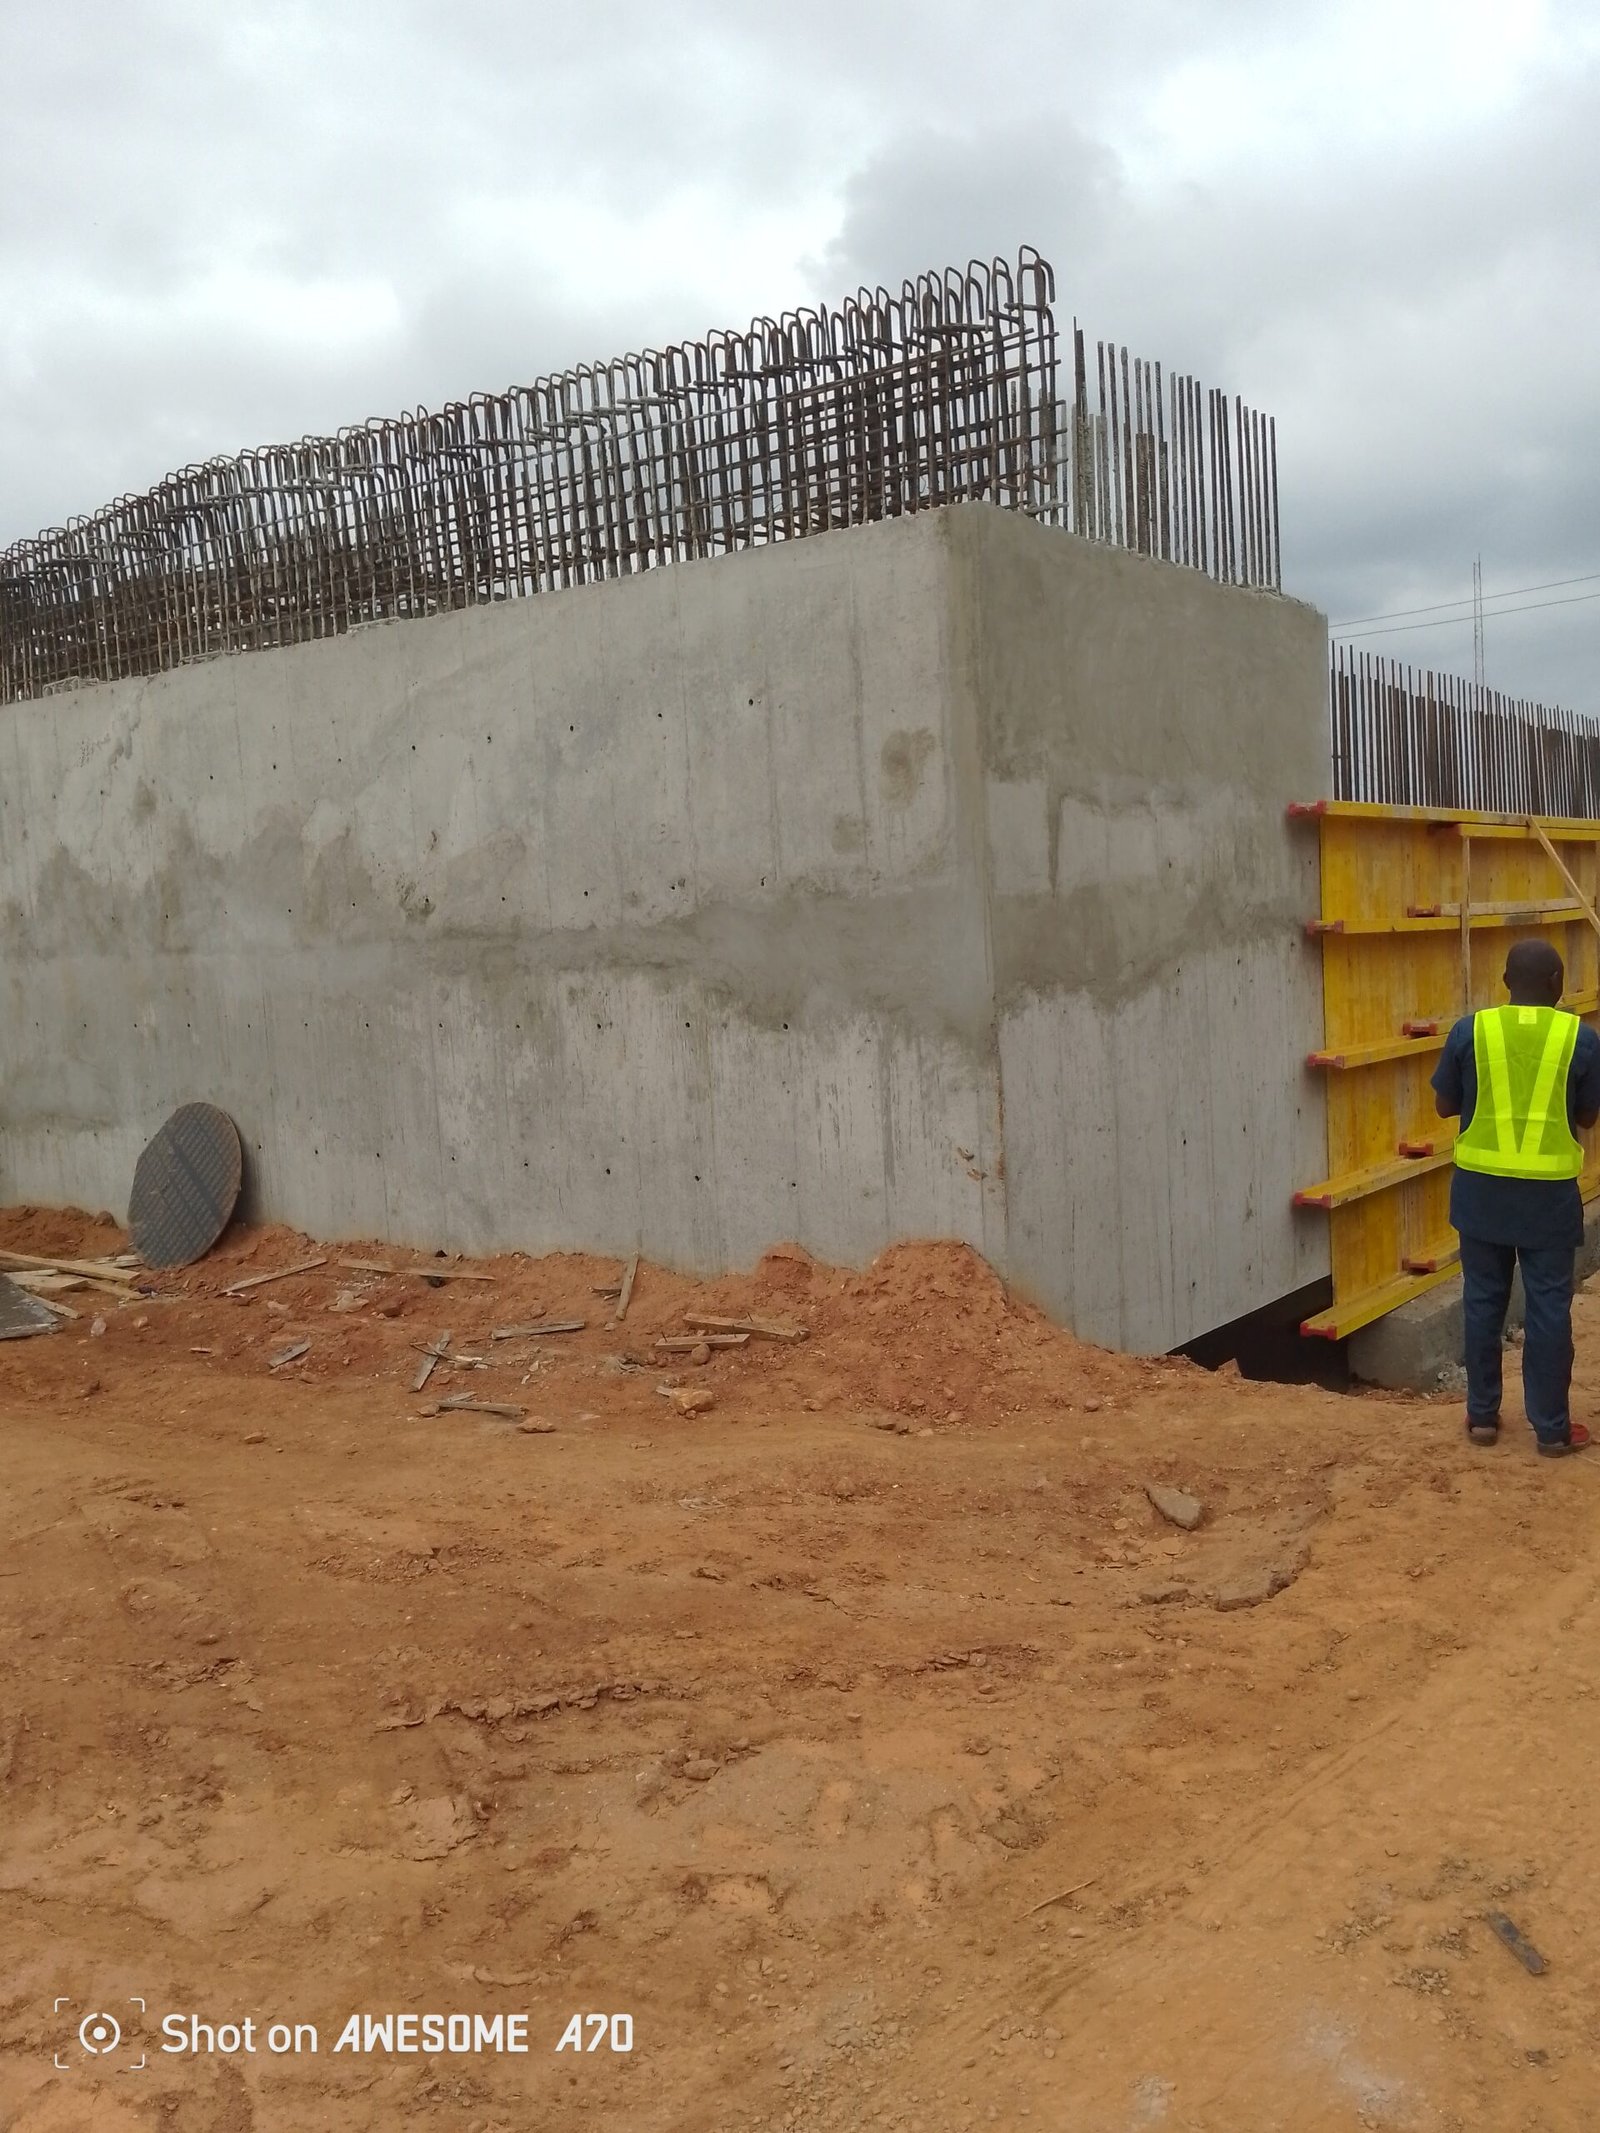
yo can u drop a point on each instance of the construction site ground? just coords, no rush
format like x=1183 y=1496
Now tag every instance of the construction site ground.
x=868 y=1737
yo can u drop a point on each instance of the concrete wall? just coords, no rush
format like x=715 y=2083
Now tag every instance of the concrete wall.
x=1143 y=731
x=728 y=903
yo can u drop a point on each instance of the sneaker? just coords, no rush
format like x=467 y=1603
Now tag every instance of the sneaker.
x=1577 y=1439
x=1487 y=1432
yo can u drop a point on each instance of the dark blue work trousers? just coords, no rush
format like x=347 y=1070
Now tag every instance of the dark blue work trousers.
x=1486 y=1271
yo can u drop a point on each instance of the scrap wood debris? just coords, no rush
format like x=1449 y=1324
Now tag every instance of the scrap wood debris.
x=279 y=1273
x=432 y=1357
x=495 y=1710
x=465 y=1404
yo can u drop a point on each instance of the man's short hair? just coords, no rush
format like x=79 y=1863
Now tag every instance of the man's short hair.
x=1531 y=965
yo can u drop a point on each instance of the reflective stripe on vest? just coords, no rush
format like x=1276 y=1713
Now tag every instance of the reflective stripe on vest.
x=1519 y=1123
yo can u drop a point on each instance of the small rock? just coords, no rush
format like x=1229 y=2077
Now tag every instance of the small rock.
x=1262 y=1583
x=700 y=1768
x=256 y=1436
x=97 y=1328
x=1176 y=1504
x=699 y=1353
x=346 y=1300
x=535 y=1426
x=389 y=1308
x=693 y=1400
x=1163 y=1595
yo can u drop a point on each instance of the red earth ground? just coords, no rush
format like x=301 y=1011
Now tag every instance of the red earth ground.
x=868 y=1738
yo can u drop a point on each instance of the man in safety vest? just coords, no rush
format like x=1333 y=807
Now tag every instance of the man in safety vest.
x=1521 y=1078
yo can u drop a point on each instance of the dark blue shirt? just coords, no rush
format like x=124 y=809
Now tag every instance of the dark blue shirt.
x=1540 y=1213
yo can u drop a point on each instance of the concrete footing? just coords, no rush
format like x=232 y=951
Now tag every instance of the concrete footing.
x=1418 y=1348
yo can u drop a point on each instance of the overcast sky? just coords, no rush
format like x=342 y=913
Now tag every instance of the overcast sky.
x=228 y=222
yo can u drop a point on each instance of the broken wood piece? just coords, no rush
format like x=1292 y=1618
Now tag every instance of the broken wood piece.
x=291 y=1354
x=464 y=1404
x=606 y=1288
x=688 y=1341
x=1061 y=1895
x=1524 y=1950
x=625 y=1294
x=41 y=1281
x=60 y=1310
x=442 y=1273
x=91 y=1269
x=772 y=1329
x=553 y=1325
x=280 y=1273
x=432 y=1357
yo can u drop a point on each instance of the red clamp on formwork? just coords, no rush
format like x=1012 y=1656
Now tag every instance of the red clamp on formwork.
x=1419 y=1029
x=1312 y=1199
x=1301 y=810
x=1425 y=911
x=1314 y=926
x=1418 y=1148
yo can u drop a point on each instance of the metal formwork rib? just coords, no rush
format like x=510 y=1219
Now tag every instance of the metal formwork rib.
x=1419 y=904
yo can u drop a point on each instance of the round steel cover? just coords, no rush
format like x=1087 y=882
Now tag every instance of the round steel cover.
x=185 y=1186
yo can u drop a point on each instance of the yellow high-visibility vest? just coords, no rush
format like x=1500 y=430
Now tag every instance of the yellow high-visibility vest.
x=1519 y=1124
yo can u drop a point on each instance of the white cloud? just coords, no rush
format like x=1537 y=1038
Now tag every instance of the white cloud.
x=230 y=225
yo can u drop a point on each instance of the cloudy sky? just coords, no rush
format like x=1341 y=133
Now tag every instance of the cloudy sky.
x=231 y=224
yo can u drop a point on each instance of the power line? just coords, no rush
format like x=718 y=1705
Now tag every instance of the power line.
x=1529 y=608
x=1512 y=592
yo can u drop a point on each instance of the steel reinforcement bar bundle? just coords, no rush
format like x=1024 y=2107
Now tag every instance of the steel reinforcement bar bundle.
x=888 y=404
x=1413 y=739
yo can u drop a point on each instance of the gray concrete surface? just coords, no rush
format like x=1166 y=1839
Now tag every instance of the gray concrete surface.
x=1143 y=731
x=1419 y=1347
x=924 y=879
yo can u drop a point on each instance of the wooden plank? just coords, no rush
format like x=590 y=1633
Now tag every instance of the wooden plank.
x=772 y=1329
x=440 y=1272
x=1568 y=907
x=1435 y=1261
x=683 y=1343
x=625 y=1297
x=1562 y=869
x=1444 y=919
x=464 y=1404
x=1351 y=1056
x=1377 y=1177
x=1355 y=1312
x=559 y=1325
x=1477 y=821
x=430 y=1362
x=280 y=1273
x=91 y=1269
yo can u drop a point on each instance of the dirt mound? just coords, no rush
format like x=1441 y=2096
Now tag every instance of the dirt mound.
x=68 y=1230
x=928 y=1331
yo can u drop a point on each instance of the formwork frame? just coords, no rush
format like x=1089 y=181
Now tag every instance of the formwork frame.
x=1419 y=906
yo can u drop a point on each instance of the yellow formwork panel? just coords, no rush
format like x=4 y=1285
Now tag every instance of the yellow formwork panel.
x=1384 y=991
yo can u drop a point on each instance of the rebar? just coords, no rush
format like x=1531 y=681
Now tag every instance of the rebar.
x=881 y=407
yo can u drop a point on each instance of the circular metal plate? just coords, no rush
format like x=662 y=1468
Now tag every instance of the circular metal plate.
x=185 y=1187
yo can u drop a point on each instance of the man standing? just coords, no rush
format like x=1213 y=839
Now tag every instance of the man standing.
x=1521 y=1078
